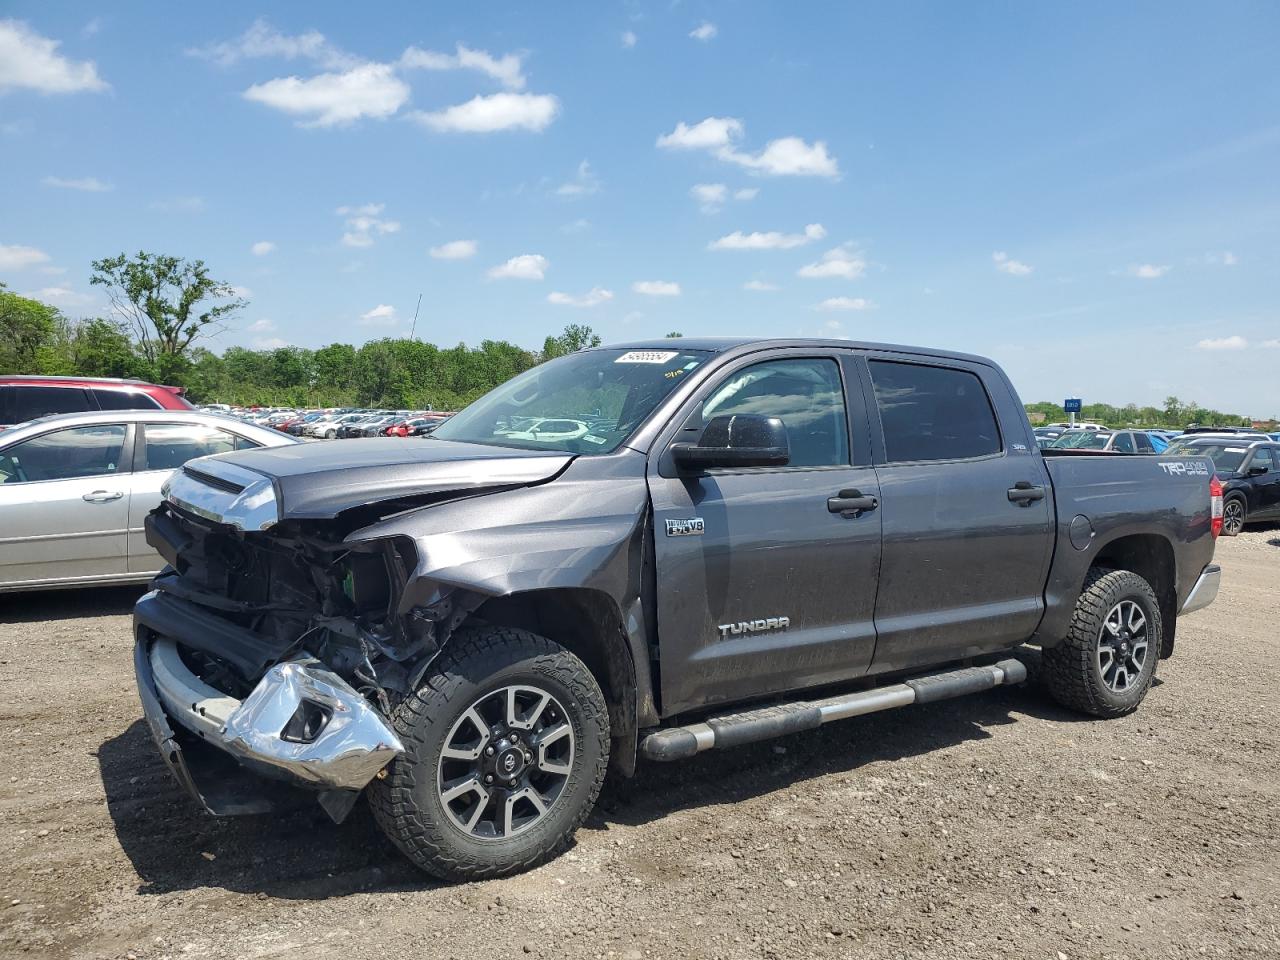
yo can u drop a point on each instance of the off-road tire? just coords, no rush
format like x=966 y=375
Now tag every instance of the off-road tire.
x=1070 y=670
x=406 y=803
x=1229 y=528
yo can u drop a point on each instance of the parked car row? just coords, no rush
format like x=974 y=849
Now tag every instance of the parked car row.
x=339 y=423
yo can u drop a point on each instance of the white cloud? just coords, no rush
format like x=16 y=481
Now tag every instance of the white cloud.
x=1147 y=271
x=270 y=343
x=746 y=193
x=1005 y=264
x=262 y=326
x=759 y=286
x=527 y=266
x=507 y=70
x=628 y=39
x=845 y=303
x=262 y=40
x=657 y=288
x=1229 y=259
x=62 y=296
x=1271 y=344
x=704 y=31
x=592 y=298
x=242 y=293
x=710 y=196
x=364 y=222
x=707 y=134
x=87 y=184
x=577 y=226
x=773 y=240
x=383 y=315
x=29 y=61
x=18 y=257
x=262 y=248
x=583 y=184
x=842 y=261
x=454 y=250
x=1223 y=343
x=786 y=156
x=335 y=99
x=499 y=111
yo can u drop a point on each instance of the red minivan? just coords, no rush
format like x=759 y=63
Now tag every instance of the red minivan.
x=24 y=398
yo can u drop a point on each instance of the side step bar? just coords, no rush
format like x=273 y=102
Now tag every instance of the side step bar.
x=765 y=723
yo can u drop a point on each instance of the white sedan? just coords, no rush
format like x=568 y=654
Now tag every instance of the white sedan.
x=75 y=489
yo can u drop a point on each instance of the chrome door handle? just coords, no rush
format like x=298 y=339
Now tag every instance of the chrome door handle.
x=102 y=496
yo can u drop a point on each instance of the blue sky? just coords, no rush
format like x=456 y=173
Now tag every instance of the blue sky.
x=1087 y=193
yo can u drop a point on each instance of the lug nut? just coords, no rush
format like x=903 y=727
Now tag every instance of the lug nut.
x=528 y=758
x=488 y=778
x=515 y=737
x=488 y=751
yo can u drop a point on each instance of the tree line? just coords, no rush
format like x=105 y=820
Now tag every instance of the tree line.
x=164 y=307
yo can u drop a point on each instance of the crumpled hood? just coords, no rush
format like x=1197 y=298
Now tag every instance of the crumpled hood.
x=320 y=480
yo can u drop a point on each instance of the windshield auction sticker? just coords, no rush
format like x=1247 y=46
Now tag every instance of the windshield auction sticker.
x=648 y=356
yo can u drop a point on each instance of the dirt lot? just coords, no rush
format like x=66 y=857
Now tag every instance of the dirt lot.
x=996 y=826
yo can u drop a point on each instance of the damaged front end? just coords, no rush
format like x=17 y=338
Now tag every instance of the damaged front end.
x=274 y=649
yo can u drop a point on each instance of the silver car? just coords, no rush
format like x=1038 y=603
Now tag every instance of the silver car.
x=75 y=489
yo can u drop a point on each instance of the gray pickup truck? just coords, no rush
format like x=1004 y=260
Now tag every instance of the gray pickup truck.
x=719 y=542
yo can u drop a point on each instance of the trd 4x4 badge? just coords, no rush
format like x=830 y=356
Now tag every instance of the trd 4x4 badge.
x=692 y=527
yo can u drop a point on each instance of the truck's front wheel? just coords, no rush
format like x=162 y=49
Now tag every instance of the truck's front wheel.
x=506 y=745
x=1107 y=661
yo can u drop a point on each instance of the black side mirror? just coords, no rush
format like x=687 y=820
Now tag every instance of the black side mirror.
x=739 y=440
x=1257 y=470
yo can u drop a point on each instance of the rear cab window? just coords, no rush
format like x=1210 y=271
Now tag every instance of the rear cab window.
x=933 y=412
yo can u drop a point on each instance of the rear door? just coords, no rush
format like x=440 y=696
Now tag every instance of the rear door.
x=760 y=586
x=64 y=505
x=966 y=509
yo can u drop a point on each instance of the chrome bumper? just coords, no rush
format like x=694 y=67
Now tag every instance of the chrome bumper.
x=1205 y=591
x=345 y=754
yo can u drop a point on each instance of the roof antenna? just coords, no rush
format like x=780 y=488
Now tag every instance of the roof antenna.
x=414 y=325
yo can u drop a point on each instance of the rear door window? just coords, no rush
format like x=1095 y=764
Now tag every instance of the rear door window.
x=124 y=400
x=1124 y=443
x=69 y=454
x=933 y=413
x=1144 y=443
x=27 y=403
x=1263 y=457
x=168 y=446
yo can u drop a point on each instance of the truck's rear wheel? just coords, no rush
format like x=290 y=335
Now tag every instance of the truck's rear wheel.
x=506 y=745
x=1107 y=661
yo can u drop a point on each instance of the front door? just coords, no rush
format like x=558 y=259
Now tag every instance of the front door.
x=761 y=587
x=967 y=515
x=64 y=506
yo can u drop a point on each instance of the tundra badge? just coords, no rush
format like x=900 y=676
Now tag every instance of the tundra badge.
x=692 y=527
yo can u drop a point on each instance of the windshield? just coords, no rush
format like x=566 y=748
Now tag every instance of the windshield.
x=586 y=402
x=1226 y=457
x=1083 y=440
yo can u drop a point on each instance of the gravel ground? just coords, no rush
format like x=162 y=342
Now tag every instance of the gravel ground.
x=991 y=826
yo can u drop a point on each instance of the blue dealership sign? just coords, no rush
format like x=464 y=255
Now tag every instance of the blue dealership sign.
x=1071 y=405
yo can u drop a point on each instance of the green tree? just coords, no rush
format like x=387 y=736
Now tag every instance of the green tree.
x=575 y=337
x=674 y=334
x=101 y=348
x=29 y=329
x=164 y=299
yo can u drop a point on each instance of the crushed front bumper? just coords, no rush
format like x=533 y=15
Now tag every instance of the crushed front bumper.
x=338 y=746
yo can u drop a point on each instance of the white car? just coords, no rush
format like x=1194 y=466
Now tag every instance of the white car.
x=76 y=488
x=328 y=426
x=550 y=430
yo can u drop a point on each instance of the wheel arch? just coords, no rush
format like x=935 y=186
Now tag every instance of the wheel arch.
x=1152 y=557
x=589 y=624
